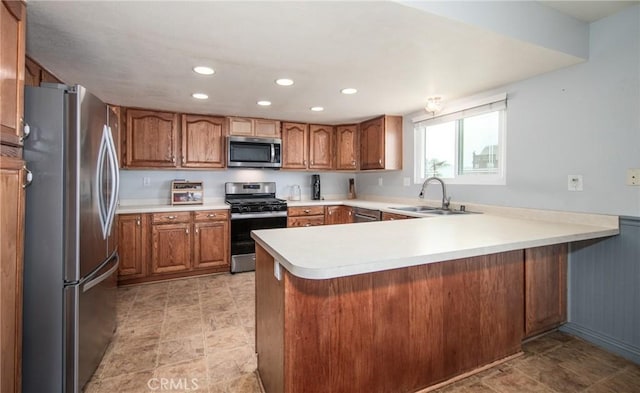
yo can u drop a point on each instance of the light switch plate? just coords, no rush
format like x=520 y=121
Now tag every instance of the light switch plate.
x=574 y=182
x=380 y=181
x=146 y=181
x=633 y=177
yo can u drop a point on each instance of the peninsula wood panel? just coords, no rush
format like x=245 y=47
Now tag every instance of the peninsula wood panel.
x=203 y=142
x=398 y=330
x=269 y=323
x=545 y=288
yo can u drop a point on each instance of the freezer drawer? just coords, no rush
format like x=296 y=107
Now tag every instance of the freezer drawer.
x=90 y=321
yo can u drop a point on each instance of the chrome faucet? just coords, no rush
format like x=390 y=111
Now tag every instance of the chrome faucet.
x=445 y=200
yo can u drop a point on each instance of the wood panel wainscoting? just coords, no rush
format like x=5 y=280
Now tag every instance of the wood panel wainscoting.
x=393 y=331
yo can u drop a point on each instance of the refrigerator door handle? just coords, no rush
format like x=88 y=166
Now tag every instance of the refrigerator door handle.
x=115 y=179
x=102 y=208
x=96 y=281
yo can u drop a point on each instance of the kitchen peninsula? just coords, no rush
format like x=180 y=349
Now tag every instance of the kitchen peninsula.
x=398 y=306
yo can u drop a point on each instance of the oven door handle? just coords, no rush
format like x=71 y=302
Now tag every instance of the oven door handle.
x=246 y=216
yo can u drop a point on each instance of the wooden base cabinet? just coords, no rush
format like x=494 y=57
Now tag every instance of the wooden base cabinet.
x=158 y=246
x=132 y=245
x=339 y=214
x=12 y=200
x=545 y=288
x=210 y=241
x=305 y=216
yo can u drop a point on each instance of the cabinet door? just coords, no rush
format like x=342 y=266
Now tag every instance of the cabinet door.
x=240 y=126
x=171 y=249
x=203 y=142
x=545 y=288
x=267 y=128
x=347 y=147
x=320 y=147
x=294 y=145
x=11 y=262
x=12 y=75
x=152 y=139
x=372 y=144
x=211 y=244
x=338 y=215
x=131 y=245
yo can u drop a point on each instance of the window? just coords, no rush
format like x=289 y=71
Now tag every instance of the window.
x=464 y=147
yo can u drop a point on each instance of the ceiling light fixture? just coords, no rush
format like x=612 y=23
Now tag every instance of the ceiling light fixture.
x=434 y=105
x=200 y=96
x=202 y=70
x=317 y=108
x=349 y=90
x=264 y=103
x=284 y=82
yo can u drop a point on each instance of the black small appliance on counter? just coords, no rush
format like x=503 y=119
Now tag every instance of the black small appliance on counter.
x=315 y=187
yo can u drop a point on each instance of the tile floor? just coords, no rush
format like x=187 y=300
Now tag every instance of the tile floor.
x=196 y=335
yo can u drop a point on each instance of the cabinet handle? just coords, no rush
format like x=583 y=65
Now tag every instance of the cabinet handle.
x=304 y=162
x=353 y=162
x=186 y=231
x=196 y=231
x=26 y=130
x=138 y=221
x=307 y=211
x=170 y=217
x=173 y=159
x=379 y=162
x=350 y=213
x=307 y=225
x=183 y=161
x=28 y=177
x=311 y=162
x=211 y=215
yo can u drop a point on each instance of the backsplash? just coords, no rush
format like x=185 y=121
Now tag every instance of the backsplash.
x=333 y=185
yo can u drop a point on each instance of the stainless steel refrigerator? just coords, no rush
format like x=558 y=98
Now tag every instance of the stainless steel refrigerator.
x=71 y=261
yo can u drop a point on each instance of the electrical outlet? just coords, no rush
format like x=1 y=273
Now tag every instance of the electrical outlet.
x=633 y=177
x=407 y=181
x=574 y=182
x=380 y=181
x=146 y=181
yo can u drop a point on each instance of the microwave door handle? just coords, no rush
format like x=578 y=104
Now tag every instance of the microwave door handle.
x=273 y=152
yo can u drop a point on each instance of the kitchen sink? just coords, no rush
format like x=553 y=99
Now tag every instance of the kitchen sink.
x=430 y=210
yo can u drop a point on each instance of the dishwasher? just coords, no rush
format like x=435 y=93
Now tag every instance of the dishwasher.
x=365 y=215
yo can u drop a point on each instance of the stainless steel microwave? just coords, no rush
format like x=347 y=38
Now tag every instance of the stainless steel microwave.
x=248 y=152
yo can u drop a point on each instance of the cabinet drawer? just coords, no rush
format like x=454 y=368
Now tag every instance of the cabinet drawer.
x=305 y=211
x=171 y=217
x=211 y=215
x=305 y=221
x=392 y=216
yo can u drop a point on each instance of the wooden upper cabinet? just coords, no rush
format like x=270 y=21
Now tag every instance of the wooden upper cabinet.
x=203 y=142
x=244 y=126
x=295 y=145
x=545 y=281
x=321 y=147
x=381 y=143
x=35 y=74
x=347 y=147
x=151 y=139
x=267 y=128
x=12 y=75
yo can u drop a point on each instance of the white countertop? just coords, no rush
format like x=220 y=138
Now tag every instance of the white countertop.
x=165 y=207
x=324 y=252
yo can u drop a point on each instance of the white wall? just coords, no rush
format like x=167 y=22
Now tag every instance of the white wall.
x=131 y=187
x=584 y=119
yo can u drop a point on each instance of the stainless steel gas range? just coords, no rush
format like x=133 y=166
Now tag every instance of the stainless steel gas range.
x=253 y=206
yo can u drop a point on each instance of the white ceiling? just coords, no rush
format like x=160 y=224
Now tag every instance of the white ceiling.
x=141 y=54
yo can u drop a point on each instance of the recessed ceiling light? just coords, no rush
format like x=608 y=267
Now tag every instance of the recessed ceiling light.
x=264 y=103
x=284 y=82
x=200 y=96
x=317 y=108
x=349 y=90
x=202 y=70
